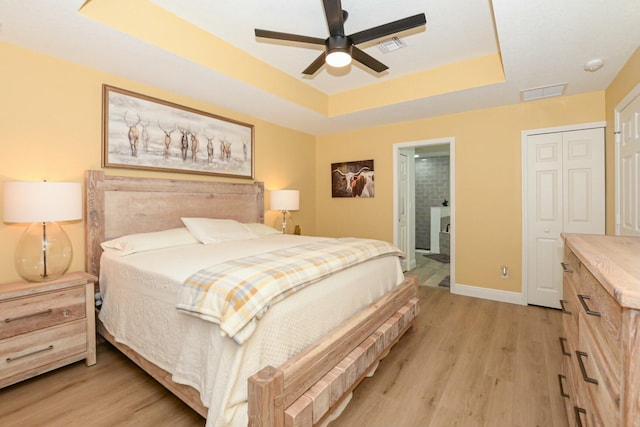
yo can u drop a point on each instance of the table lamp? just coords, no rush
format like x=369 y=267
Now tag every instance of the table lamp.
x=44 y=251
x=285 y=201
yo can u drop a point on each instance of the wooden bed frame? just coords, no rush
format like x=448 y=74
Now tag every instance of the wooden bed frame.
x=305 y=389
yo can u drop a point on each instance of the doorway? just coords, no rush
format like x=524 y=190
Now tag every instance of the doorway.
x=427 y=239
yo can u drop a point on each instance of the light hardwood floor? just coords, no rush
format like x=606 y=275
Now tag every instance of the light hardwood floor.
x=470 y=362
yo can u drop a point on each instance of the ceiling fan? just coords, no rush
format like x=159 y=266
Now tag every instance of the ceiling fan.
x=340 y=49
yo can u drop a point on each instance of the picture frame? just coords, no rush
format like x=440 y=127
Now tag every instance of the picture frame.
x=353 y=179
x=143 y=132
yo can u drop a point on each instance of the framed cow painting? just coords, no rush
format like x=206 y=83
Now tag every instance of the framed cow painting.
x=352 y=179
x=141 y=132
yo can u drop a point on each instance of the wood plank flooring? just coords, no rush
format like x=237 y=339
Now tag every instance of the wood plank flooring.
x=470 y=362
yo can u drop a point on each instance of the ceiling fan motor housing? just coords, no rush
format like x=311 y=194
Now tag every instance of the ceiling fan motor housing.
x=339 y=44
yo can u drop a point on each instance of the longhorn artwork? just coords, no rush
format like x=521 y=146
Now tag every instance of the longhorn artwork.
x=352 y=179
x=141 y=132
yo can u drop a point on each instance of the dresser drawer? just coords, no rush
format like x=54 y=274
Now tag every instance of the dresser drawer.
x=596 y=364
x=30 y=313
x=602 y=313
x=29 y=351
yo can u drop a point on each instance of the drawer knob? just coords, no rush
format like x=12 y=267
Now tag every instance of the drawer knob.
x=565 y=267
x=583 y=370
x=562 y=392
x=583 y=301
x=579 y=411
x=26 y=316
x=564 y=352
x=22 y=356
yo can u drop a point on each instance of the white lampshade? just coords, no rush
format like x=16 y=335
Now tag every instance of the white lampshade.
x=285 y=200
x=42 y=201
x=338 y=58
x=44 y=251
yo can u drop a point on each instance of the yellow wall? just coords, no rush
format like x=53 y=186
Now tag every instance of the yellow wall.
x=51 y=129
x=627 y=79
x=487 y=179
x=50 y=113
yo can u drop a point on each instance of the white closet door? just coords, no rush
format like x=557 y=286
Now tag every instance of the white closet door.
x=565 y=177
x=629 y=173
x=544 y=158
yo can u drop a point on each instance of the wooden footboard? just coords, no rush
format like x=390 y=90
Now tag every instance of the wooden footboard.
x=305 y=389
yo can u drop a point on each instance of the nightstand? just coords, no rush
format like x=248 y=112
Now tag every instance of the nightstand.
x=44 y=326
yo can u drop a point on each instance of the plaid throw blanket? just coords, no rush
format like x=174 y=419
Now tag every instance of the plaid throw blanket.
x=235 y=294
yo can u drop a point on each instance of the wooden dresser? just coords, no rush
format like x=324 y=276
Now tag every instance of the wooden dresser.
x=44 y=326
x=600 y=377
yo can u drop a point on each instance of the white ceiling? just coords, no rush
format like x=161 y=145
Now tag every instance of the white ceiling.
x=541 y=43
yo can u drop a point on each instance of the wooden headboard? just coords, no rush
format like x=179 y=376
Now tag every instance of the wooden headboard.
x=116 y=206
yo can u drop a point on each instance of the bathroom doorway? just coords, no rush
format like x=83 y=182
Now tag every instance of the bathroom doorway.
x=424 y=209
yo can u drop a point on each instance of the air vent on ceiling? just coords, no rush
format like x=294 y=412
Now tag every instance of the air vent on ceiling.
x=542 y=92
x=391 y=44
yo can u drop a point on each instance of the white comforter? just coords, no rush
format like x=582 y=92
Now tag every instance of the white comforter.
x=139 y=296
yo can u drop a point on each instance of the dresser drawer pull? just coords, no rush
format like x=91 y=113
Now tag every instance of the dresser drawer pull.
x=13 y=359
x=579 y=411
x=585 y=377
x=590 y=312
x=562 y=392
x=564 y=310
x=564 y=352
x=26 y=316
x=565 y=267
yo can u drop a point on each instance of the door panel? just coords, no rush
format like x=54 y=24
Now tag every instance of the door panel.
x=544 y=153
x=583 y=164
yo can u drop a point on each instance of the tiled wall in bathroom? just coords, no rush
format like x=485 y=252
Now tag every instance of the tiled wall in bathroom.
x=432 y=187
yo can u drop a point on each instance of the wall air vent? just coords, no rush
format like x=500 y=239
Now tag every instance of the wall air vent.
x=542 y=92
x=391 y=44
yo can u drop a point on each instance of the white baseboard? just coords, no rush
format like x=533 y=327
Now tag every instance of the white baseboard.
x=486 y=293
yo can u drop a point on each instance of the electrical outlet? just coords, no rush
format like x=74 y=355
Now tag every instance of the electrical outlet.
x=504 y=272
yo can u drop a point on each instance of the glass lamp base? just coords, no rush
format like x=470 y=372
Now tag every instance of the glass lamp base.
x=43 y=253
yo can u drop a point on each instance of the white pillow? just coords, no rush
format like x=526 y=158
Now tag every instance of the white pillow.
x=142 y=242
x=261 y=230
x=209 y=230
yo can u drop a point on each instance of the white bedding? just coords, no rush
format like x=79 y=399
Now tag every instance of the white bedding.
x=139 y=295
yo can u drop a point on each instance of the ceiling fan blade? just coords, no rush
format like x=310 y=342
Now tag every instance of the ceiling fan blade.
x=368 y=60
x=335 y=18
x=389 y=28
x=289 y=37
x=315 y=65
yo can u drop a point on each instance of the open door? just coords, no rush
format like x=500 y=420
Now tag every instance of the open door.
x=628 y=169
x=404 y=236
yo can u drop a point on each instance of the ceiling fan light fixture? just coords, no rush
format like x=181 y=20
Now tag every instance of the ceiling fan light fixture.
x=338 y=51
x=338 y=58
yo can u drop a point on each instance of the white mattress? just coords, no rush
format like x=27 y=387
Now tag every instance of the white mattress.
x=139 y=294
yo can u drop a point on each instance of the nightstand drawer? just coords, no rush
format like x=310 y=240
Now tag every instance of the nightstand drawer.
x=30 y=351
x=26 y=314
